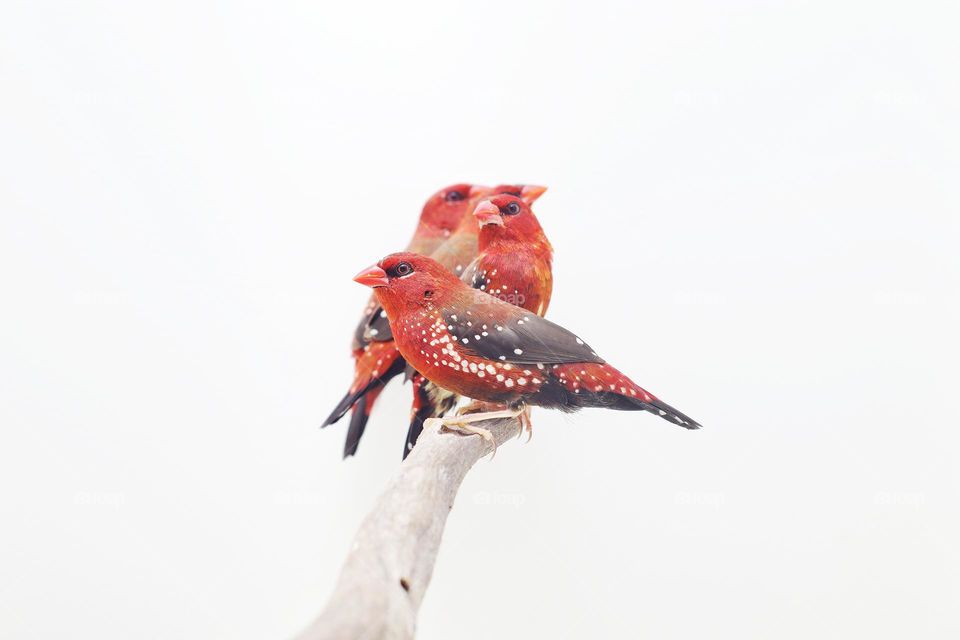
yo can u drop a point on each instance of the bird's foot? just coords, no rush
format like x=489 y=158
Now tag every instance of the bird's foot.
x=526 y=424
x=463 y=424
x=477 y=406
x=467 y=429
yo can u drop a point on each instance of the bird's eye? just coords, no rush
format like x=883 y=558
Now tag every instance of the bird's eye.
x=403 y=269
x=453 y=196
x=512 y=209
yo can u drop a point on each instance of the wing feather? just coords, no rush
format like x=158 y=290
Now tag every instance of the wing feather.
x=499 y=331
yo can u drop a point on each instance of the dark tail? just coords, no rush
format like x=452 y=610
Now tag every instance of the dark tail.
x=344 y=405
x=358 y=421
x=665 y=411
x=362 y=402
x=425 y=405
x=600 y=385
x=613 y=400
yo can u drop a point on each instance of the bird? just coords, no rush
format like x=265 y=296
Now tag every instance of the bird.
x=478 y=346
x=513 y=264
x=448 y=233
x=376 y=359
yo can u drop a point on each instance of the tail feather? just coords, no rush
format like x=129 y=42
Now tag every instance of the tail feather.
x=366 y=387
x=600 y=385
x=344 y=405
x=358 y=421
x=620 y=402
x=665 y=411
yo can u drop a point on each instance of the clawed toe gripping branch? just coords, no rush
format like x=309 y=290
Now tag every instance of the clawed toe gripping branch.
x=463 y=423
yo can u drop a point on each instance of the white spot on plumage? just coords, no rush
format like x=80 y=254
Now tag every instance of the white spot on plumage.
x=519 y=352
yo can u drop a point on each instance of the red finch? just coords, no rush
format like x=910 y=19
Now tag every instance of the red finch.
x=513 y=264
x=376 y=359
x=473 y=344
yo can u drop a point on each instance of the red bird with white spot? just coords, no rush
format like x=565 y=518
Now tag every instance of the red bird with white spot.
x=475 y=345
x=448 y=233
x=376 y=359
x=513 y=264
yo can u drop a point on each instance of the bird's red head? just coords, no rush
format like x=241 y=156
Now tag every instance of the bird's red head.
x=445 y=209
x=507 y=218
x=403 y=280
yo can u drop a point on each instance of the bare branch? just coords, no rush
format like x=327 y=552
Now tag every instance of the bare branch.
x=390 y=564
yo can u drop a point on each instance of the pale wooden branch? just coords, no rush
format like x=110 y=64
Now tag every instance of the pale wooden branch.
x=387 y=572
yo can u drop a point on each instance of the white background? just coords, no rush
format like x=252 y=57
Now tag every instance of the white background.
x=754 y=207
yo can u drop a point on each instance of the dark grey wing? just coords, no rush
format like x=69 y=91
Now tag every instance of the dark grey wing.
x=471 y=275
x=499 y=331
x=377 y=327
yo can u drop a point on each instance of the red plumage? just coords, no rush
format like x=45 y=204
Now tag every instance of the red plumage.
x=376 y=359
x=448 y=233
x=473 y=344
x=513 y=265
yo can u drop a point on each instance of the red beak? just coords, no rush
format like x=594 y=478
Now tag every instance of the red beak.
x=372 y=277
x=488 y=213
x=531 y=192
